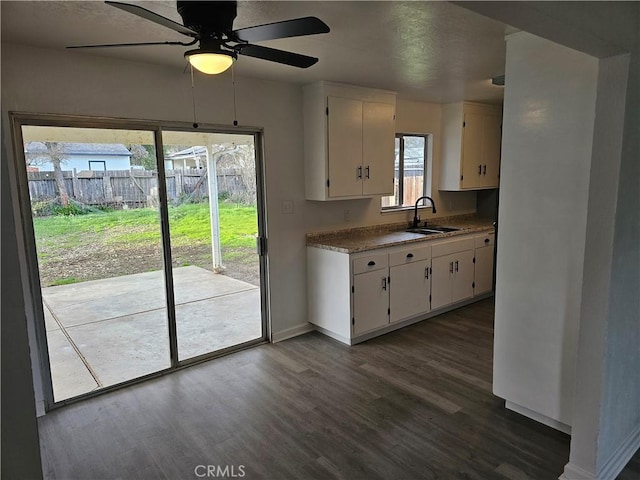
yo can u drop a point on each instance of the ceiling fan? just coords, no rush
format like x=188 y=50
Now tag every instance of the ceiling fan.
x=210 y=24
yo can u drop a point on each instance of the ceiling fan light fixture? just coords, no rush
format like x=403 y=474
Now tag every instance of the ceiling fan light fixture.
x=211 y=62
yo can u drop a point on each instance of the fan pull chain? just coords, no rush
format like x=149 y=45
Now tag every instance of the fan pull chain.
x=233 y=83
x=193 y=98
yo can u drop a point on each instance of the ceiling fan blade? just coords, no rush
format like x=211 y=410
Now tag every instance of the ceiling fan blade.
x=274 y=55
x=132 y=44
x=154 y=17
x=288 y=28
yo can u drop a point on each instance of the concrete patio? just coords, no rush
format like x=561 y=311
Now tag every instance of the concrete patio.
x=104 y=332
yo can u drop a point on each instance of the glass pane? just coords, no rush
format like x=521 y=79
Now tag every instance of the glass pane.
x=94 y=203
x=213 y=223
x=414 y=162
x=394 y=200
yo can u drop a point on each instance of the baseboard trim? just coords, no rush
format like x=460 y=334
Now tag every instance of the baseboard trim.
x=333 y=335
x=613 y=466
x=621 y=456
x=538 y=417
x=41 y=411
x=574 y=472
x=291 y=332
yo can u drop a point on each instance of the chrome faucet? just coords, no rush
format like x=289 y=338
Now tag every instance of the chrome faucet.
x=416 y=219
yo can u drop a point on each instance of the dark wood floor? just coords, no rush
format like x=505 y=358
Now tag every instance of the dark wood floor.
x=412 y=404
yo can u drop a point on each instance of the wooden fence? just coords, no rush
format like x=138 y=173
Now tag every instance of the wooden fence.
x=413 y=187
x=135 y=187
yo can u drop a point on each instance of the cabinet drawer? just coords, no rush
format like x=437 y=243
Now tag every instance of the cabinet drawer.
x=409 y=255
x=370 y=263
x=451 y=246
x=485 y=240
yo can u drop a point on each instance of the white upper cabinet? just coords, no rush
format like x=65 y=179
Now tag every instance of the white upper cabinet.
x=471 y=137
x=349 y=135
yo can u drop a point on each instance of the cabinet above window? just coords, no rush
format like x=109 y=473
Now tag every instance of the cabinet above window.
x=349 y=137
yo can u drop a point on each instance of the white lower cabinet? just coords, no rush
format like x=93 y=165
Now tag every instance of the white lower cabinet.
x=370 y=301
x=410 y=286
x=352 y=297
x=453 y=272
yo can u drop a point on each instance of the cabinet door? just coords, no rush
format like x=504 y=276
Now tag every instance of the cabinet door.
x=491 y=140
x=463 y=273
x=472 y=134
x=370 y=301
x=345 y=147
x=378 y=143
x=442 y=274
x=409 y=290
x=483 y=270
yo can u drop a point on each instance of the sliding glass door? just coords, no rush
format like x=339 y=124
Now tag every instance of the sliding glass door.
x=213 y=225
x=97 y=235
x=142 y=248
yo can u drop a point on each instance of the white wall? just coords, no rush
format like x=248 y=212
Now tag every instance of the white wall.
x=620 y=414
x=606 y=407
x=548 y=119
x=607 y=395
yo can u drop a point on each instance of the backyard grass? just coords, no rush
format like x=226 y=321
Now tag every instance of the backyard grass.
x=188 y=223
x=100 y=245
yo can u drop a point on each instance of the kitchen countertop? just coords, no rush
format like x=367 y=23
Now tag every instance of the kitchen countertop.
x=363 y=239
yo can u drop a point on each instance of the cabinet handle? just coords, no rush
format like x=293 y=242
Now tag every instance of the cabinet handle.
x=479 y=169
x=450 y=267
x=486 y=240
x=360 y=172
x=426 y=272
x=384 y=283
x=456 y=265
x=367 y=174
x=409 y=255
x=371 y=263
x=484 y=170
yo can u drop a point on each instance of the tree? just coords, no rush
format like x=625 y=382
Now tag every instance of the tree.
x=54 y=153
x=143 y=155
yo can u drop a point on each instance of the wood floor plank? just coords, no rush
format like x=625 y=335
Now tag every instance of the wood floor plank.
x=412 y=404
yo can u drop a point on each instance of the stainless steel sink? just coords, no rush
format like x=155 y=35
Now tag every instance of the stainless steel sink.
x=442 y=229
x=423 y=231
x=432 y=230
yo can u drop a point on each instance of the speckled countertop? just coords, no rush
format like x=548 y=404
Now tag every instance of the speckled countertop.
x=362 y=239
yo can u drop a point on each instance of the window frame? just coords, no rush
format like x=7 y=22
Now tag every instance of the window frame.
x=102 y=162
x=401 y=172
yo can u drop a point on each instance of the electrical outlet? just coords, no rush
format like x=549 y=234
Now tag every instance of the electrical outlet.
x=287 y=207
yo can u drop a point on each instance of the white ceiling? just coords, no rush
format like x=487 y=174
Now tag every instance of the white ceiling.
x=430 y=51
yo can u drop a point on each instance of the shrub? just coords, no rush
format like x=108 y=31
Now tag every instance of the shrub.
x=69 y=209
x=46 y=208
x=42 y=208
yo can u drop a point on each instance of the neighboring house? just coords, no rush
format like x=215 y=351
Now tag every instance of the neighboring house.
x=191 y=157
x=81 y=156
